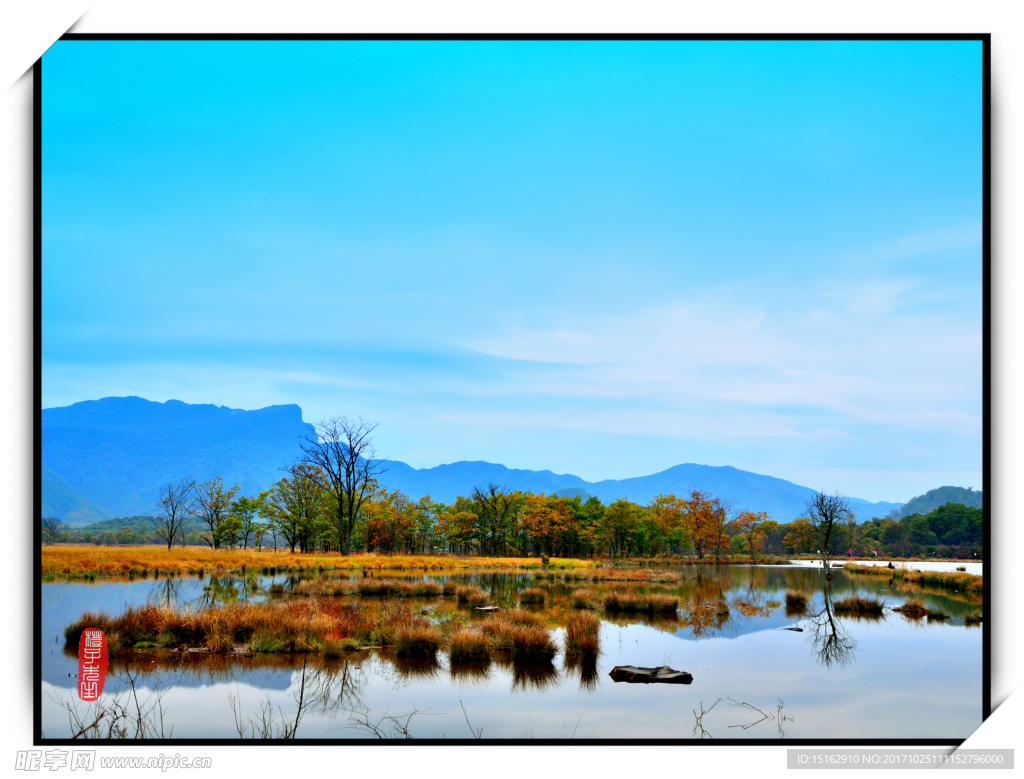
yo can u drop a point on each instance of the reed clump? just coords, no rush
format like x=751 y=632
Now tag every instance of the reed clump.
x=796 y=602
x=264 y=627
x=912 y=608
x=858 y=606
x=417 y=640
x=522 y=617
x=582 y=631
x=470 y=594
x=469 y=645
x=586 y=599
x=398 y=588
x=325 y=587
x=632 y=602
x=527 y=643
x=972 y=620
x=533 y=595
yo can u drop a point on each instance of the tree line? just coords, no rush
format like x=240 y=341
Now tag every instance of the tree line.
x=331 y=500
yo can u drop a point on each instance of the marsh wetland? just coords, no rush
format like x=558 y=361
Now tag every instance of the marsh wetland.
x=774 y=651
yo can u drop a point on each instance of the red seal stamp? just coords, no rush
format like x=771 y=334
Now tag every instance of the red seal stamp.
x=92 y=664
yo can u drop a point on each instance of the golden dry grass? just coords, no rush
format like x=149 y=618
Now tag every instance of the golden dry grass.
x=859 y=606
x=640 y=602
x=955 y=581
x=417 y=640
x=527 y=643
x=581 y=634
x=796 y=602
x=532 y=595
x=78 y=560
x=586 y=599
x=469 y=645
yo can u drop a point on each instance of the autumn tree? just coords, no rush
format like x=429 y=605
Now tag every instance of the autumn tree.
x=751 y=526
x=389 y=521
x=826 y=513
x=177 y=507
x=667 y=515
x=801 y=536
x=342 y=452
x=705 y=518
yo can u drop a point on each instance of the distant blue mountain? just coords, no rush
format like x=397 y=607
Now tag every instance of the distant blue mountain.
x=109 y=457
x=115 y=453
x=782 y=499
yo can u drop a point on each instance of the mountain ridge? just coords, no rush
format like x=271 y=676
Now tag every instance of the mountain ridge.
x=109 y=457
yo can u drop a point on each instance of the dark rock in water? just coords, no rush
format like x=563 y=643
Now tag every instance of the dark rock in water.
x=796 y=630
x=663 y=674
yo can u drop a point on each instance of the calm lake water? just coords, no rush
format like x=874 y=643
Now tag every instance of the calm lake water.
x=882 y=678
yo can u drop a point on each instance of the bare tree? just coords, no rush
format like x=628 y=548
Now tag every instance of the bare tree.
x=342 y=450
x=52 y=527
x=825 y=513
x=177 y=503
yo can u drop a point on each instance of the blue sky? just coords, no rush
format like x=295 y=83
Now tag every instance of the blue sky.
x=603 y=258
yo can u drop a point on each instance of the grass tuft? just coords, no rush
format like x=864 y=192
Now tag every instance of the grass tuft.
x=582 y=630
x=632 y=602
x=796 y=602
x=533 y=595
x=470 y=595
x=586 y=599
x=469 y=645
x=421 y=640
x=857 y=606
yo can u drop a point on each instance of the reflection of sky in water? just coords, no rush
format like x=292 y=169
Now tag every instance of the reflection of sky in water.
x=906 y=679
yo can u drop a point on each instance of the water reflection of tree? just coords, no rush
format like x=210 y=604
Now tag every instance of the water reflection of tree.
x=327 y=686
x=704 y=607
x=831 y=642
x=122 y=715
